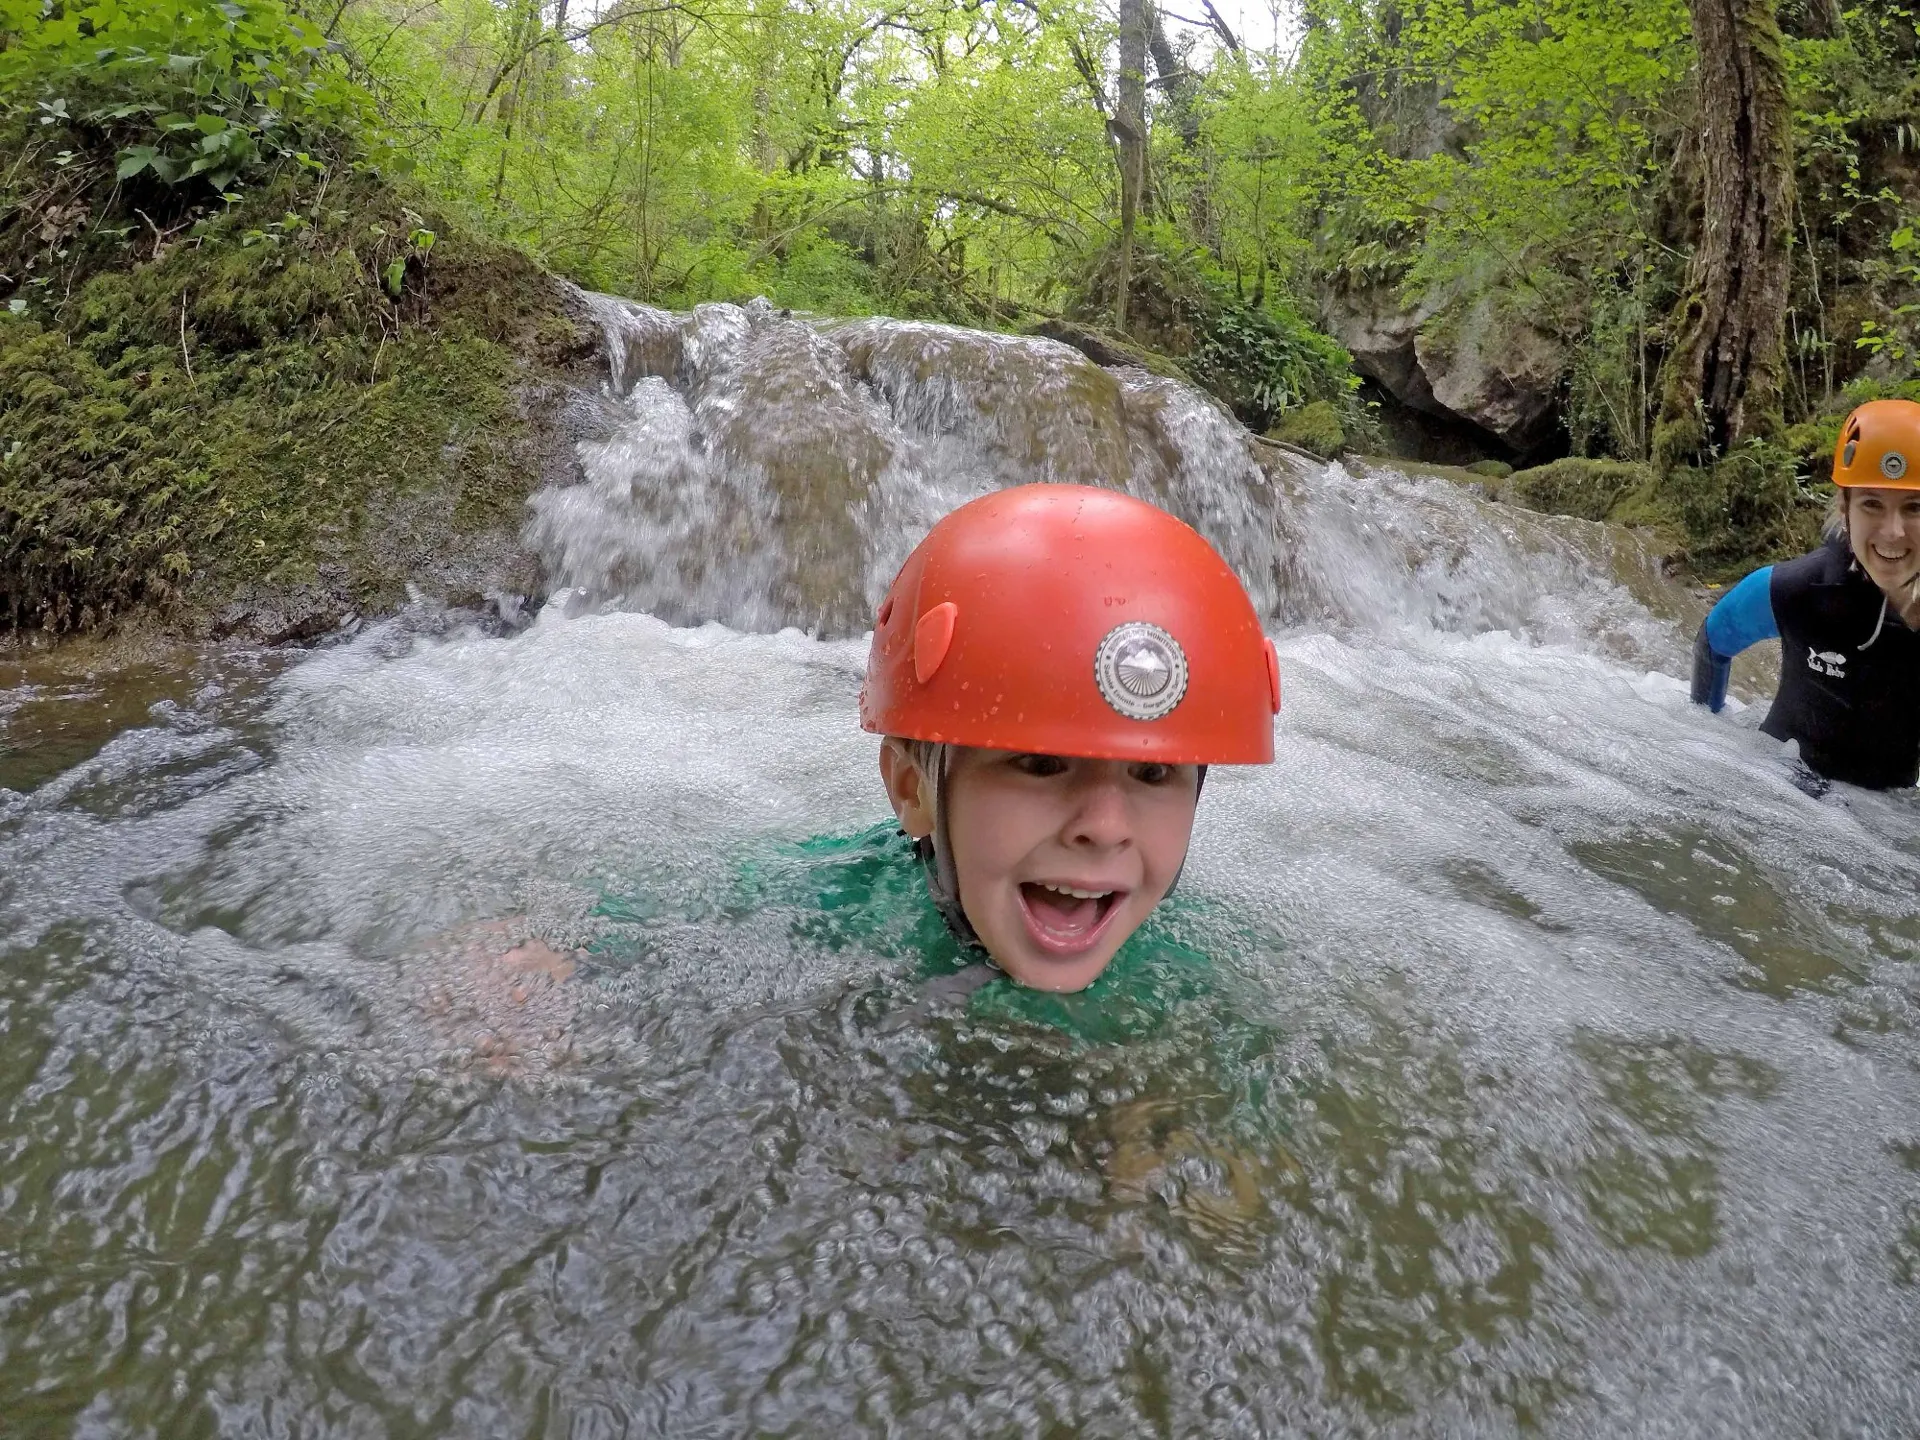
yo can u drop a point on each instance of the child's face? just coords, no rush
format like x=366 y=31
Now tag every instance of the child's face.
x=1026 y=829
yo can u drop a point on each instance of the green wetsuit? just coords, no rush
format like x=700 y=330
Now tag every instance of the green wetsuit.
x=1161 y=1002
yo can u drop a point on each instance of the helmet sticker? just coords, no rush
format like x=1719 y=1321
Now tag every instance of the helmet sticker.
x=1141 y=670
x=1893 y=465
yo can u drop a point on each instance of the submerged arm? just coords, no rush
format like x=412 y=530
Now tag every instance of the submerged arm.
x=1743 y=617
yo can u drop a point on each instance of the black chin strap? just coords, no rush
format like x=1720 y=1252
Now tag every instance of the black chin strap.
x=943 y=880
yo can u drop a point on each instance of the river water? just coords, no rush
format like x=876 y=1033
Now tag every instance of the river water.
x=1585 y=1035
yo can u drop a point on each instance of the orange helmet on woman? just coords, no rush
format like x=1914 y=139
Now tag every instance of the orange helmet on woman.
x=1072 y=620
x=1880 y=445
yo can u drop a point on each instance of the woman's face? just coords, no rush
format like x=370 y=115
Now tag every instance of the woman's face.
x=1059 y=859
x=1883 y=527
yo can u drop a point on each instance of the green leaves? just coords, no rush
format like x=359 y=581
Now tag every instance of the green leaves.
x=136 y=158
x=418 y=242
x=1897 y=338
x=229 y=85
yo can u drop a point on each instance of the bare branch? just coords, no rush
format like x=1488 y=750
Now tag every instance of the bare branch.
x=1221 y=28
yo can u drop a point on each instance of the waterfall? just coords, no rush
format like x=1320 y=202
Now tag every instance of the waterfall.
x=771 y=471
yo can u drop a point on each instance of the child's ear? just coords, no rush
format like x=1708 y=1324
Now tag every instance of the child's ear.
x=908 y=788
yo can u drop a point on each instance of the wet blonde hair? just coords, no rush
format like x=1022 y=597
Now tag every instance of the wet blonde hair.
x=925 y=755
x=1835 y=527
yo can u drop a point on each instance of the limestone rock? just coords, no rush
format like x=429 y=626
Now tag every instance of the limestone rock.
x=1379 y=332
x=1469 y=359
x=1496 y=370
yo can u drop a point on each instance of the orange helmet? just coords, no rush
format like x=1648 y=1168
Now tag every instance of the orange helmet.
x=1072 y=620
x=1880 y=445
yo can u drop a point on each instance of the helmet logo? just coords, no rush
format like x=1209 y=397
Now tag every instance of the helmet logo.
x=1141 y=670
x=1893 y=465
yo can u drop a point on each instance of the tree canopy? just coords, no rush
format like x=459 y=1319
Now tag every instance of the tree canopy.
x=1020 y=162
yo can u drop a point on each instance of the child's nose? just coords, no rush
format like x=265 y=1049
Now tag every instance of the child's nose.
x=1101 y=817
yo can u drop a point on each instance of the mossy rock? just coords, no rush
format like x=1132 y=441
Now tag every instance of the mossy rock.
x=1313 y=426
x=1746 y=509
x=1103 y=347
x=291 y=407
x=1491 y=469
x=1589 y=489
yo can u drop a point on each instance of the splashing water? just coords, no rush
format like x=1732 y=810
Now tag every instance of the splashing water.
x=1555 y=1068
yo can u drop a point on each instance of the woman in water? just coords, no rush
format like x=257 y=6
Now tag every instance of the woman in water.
x=1847 y=615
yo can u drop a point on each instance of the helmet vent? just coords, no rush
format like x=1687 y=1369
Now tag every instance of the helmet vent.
x=932 y=638
x=1846 y=455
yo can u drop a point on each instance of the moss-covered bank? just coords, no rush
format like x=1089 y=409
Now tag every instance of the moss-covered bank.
x=1717 y=523
x=260 y=414
x=1759 y=503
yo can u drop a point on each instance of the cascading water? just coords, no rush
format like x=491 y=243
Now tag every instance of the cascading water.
x=1559 y=1072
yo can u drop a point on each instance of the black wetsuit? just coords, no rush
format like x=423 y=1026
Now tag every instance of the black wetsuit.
x=1849 y=666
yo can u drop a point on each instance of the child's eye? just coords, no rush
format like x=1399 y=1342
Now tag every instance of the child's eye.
x=1153 y=773
x=1040 y=765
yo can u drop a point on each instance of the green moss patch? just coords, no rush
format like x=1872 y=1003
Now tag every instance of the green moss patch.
x=229 y=397
x=1314 y=426
x=1748 y=508
x=1590 y=489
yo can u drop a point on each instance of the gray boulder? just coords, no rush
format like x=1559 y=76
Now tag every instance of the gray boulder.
x=1470 y=358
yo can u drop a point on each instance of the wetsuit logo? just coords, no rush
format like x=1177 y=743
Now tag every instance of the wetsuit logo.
x=1827 y=662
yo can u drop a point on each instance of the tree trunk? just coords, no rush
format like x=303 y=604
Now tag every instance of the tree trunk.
x=1129 y=127
x=1725 y=374
x=1181 y=86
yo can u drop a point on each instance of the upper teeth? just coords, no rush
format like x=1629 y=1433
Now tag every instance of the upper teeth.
x=1077 y=894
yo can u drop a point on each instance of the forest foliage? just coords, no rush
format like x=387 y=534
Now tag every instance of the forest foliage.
x=962 y=160
x=956 y=158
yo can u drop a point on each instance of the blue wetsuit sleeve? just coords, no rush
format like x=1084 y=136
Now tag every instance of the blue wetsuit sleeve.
x=1743 y=617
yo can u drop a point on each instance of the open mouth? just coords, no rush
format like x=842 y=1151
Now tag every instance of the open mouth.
x=1067 y=919
x=1899 y=566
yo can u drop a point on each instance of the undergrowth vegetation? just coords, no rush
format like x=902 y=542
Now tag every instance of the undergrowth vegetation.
x=201 y=393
